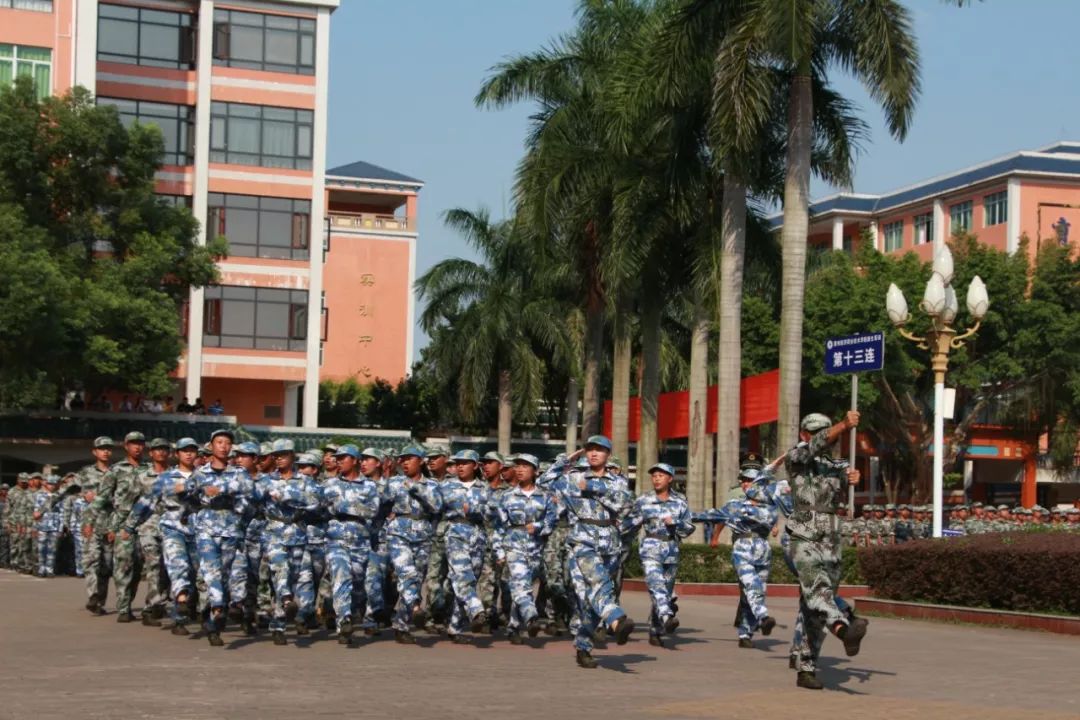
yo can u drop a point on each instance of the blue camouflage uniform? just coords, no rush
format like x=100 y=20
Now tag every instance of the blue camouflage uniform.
x=659 y=550
x=219 y=531
x=521 y=549
x=172 y=497
x=352 y=505
x=464 y=508
x=751 y=554
x=593 y=547
x=47 y=525
x=73 y=522
x=409 y=532
x=378 y=565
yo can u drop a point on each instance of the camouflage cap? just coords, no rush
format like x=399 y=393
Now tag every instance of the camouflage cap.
x=662 y=467
x=372 y=453
x=1003 y=507
x=186 y=444
x=348 y=449
x=600 y=441
x=104 y=441
x=223 y=431
x=265 y=448
x=35 y=474
x=815 y=422
x=247 y=448
x=159 y=443
x=310 y=459
x=331 y=447
x=436 y=451
x=890 y=506
x=205 y=449
x=22 y=477
x=412 y=451
x=465 y=456
x=492 y=457
x=283 y=445
x=134 y=437
x=976 y=504
x=614 y=462
x=905 y=506
x=1073 y=511
x=52 y=480
x=527 y=459
x=841 y=506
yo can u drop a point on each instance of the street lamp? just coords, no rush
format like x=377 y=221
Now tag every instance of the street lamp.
x=940 y=303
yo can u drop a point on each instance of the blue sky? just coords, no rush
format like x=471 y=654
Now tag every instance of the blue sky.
x=997 y=77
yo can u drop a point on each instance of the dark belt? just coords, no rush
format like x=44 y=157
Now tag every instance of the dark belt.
x=411 y=516
x=598 y=523
x=221 y=503
x=466 y=521
x=346 y=517
x=659 y=536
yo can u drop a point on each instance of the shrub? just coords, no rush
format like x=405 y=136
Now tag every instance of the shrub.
x=704 y=564
x=1030 y=572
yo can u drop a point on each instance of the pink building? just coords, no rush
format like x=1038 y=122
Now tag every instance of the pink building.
x=1034 y=193
x=319 y=279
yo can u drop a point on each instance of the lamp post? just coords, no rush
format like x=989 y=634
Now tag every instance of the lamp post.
x=939 y=302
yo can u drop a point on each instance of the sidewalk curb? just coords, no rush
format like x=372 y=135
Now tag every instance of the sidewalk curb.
x=1060 y=624
x=779 y=590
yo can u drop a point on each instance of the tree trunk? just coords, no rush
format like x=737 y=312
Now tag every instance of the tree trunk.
x=571 y=415
x=699 y=405
x=729 y=386
x=648 y=436
x=620 y=383
x=594 y=355
x=793 y=240
x=504 y=412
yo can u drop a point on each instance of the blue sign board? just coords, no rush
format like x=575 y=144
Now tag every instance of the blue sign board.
x=855 y=353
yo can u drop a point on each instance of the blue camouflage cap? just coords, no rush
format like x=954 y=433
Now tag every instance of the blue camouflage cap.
x=465 y=456
x=662 y=467
x=247 y=448
x=527 y=459
x=187 y=443
x=283 y=445
x=349 y=449
x=492 y=457
x=599 y=441
x=412 y=451
x=309 y=459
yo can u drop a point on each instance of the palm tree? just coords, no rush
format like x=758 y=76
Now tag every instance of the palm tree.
x=494 y=314
x=779 y=46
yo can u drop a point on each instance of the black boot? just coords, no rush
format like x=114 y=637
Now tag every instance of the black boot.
x=622 y=634
x=856 y=631
x=149 y=621
x=585 y=659
x=533 y=627
x=279 y=638
x=180 y=630
x=125 y=617
x=403 y=637
x=808 y=680
x=671 y=625
x=656 y=641
x=515 y=638
x=477 y=624
x=459 y=639
x=291 y=609
x=746 y=643
x=767 y=625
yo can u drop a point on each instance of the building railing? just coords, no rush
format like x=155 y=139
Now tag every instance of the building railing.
x=372 y=221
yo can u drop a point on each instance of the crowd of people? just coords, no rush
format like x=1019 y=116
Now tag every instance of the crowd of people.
x=417 y=538
x=892 y=523
x=142 y=404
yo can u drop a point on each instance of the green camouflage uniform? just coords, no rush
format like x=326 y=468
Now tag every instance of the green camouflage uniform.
x=817 y=487
x=121 y=487
x=11 y=522
x=97 y=551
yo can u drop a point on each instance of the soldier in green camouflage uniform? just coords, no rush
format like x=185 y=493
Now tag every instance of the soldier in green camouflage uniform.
x=14 y=520
x=153 y=569
x=845 y=525
x=24 y=518
x=121 y=487
x=5 y=546
x=97 y=550
x=817 y=485
x=888 y=525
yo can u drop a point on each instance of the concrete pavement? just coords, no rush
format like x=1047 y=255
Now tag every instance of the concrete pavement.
x=57 y=661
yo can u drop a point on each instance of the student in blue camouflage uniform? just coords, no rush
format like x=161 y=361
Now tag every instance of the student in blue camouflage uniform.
x=416 y=504
x=594 y=500
x=524 y=517
x=314 y=566
x=222 y=492
x=47 y=524
x=258 y=601
x=245 y=568
x=120 y=489
x=493 y=585
x=464 y=510
x=352 y=500
x=374 y=464
x=282 y=495
x=74 y=506
x=665 y=518
x=172 y=497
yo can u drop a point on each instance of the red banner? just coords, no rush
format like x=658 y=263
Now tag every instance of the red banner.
x=758 y=405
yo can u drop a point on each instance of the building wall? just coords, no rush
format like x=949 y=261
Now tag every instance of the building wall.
x=1034 y=195
x=248 y=400
x=368 y=286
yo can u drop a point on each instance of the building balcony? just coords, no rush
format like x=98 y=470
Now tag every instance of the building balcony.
x=372 y=221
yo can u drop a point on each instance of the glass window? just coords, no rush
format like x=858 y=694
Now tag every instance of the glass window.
x=255 y=318
x=175 y=121
x=924 y=228
x=261 y=135
x=261 y=226
x=960 y=217
x=894 y=236
x=34 y=62
x=139 y=36
x=996 y=208
x=36 y=5
x=255 y=41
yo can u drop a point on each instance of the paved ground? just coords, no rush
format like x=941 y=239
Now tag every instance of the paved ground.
x=56 y=661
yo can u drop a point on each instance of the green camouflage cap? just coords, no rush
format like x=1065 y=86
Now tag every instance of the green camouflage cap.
x=1003 y=507
x=890 y=506
x=815 y=422
x=104 y=441
x=492 y=457
x=265 y=448
x=135 y=436
x=159 y=444
x=437 y=451
x=976 y=504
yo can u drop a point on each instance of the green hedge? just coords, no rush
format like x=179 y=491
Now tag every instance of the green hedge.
x=704 y=564
x=1027 y=572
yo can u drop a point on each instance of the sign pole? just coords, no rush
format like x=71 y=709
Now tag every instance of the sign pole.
x=851 y=446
